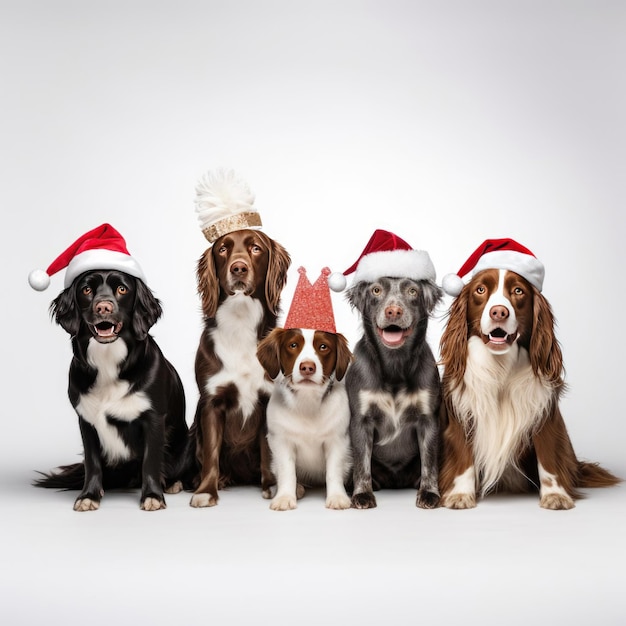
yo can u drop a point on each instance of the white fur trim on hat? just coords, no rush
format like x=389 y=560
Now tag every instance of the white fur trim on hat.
x=525 y=265
x=413 y=264
x=102 y=259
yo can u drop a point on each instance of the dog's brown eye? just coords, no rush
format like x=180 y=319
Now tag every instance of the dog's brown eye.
x=221 y=250
x=122 y=290
x=480 y=290
x=86 y=291
x=323 y=347
x=293 y=345
x=376 y=290
x=518 y=291
x=256 y=249
x=412 y=292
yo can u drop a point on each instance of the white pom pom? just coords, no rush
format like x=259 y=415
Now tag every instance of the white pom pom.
x=337 y=281
x=452 y=284
x=221 y=194
x=38 y=280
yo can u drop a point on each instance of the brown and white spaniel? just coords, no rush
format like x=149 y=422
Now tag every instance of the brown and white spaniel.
x=240 y=279
x=503 y=376
x=308 y=415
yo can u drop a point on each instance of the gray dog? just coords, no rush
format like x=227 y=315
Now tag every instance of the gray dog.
x=393 y=384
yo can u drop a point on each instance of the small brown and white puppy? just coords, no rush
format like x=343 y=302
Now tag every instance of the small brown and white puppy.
x=503 y=377
x=308 y=415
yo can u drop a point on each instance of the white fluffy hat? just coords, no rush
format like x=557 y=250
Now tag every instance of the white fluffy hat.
x=224 y=204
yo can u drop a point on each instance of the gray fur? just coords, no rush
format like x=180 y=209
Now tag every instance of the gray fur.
x=394 y=393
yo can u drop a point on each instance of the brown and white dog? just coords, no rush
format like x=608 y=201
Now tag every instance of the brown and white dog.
x=239 y=279
x=308 y=415
x=503 y=377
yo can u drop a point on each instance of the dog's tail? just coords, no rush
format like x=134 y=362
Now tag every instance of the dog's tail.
x=592 y=475
x=72 y=477
x=66 y=477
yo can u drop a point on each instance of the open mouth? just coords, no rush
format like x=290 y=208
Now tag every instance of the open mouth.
x=393 y=336
x=106 y=332
x=498 y=339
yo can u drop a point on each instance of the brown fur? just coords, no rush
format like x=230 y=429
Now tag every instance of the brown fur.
x=231 y=448
x=547 y=441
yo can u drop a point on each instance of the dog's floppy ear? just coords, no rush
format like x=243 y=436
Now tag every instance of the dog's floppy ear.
x=356 y=296
x=453 y=344
x=268 y=352
x=344 y=357
x=433 y=295
x=545 y=353
x=277 y=266
x=64 y=310
x=208 y=283
x=147 y=310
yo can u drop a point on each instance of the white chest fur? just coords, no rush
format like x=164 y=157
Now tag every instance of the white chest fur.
x=235 y=342
x=310 y=422
x=109 y=397
x=393 y=407
x=500 y=402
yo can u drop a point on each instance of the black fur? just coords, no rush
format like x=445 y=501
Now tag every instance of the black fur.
x=151 y=423
x=396 y=441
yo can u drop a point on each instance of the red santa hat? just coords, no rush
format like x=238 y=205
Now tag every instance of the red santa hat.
x=102 y=248
x=224 y=204
x=386 y=254
x=504 y=254
x=311 y=306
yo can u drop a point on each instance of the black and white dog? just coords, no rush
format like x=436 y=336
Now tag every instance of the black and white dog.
x=394 y=391
x=128 y=397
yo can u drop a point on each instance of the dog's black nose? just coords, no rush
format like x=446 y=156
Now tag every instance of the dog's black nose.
x=238 y=268
x=103 y=307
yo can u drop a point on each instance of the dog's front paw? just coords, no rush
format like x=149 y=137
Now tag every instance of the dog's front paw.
x=364 y=500
x=86 y=504
x=283 y=503
x=460 y=501
x=152 y=504
x=176 y=487
x=556 y=502
x=202 y=500
x=338 y=501
x=427 y=500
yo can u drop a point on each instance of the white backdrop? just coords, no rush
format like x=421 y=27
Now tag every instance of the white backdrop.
x=446 y=123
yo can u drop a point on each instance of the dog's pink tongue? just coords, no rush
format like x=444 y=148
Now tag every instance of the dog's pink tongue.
x=392 y=336
x=497 y=339
x=105 y=332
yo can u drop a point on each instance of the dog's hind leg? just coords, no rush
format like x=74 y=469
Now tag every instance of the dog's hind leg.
x=268 y=480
